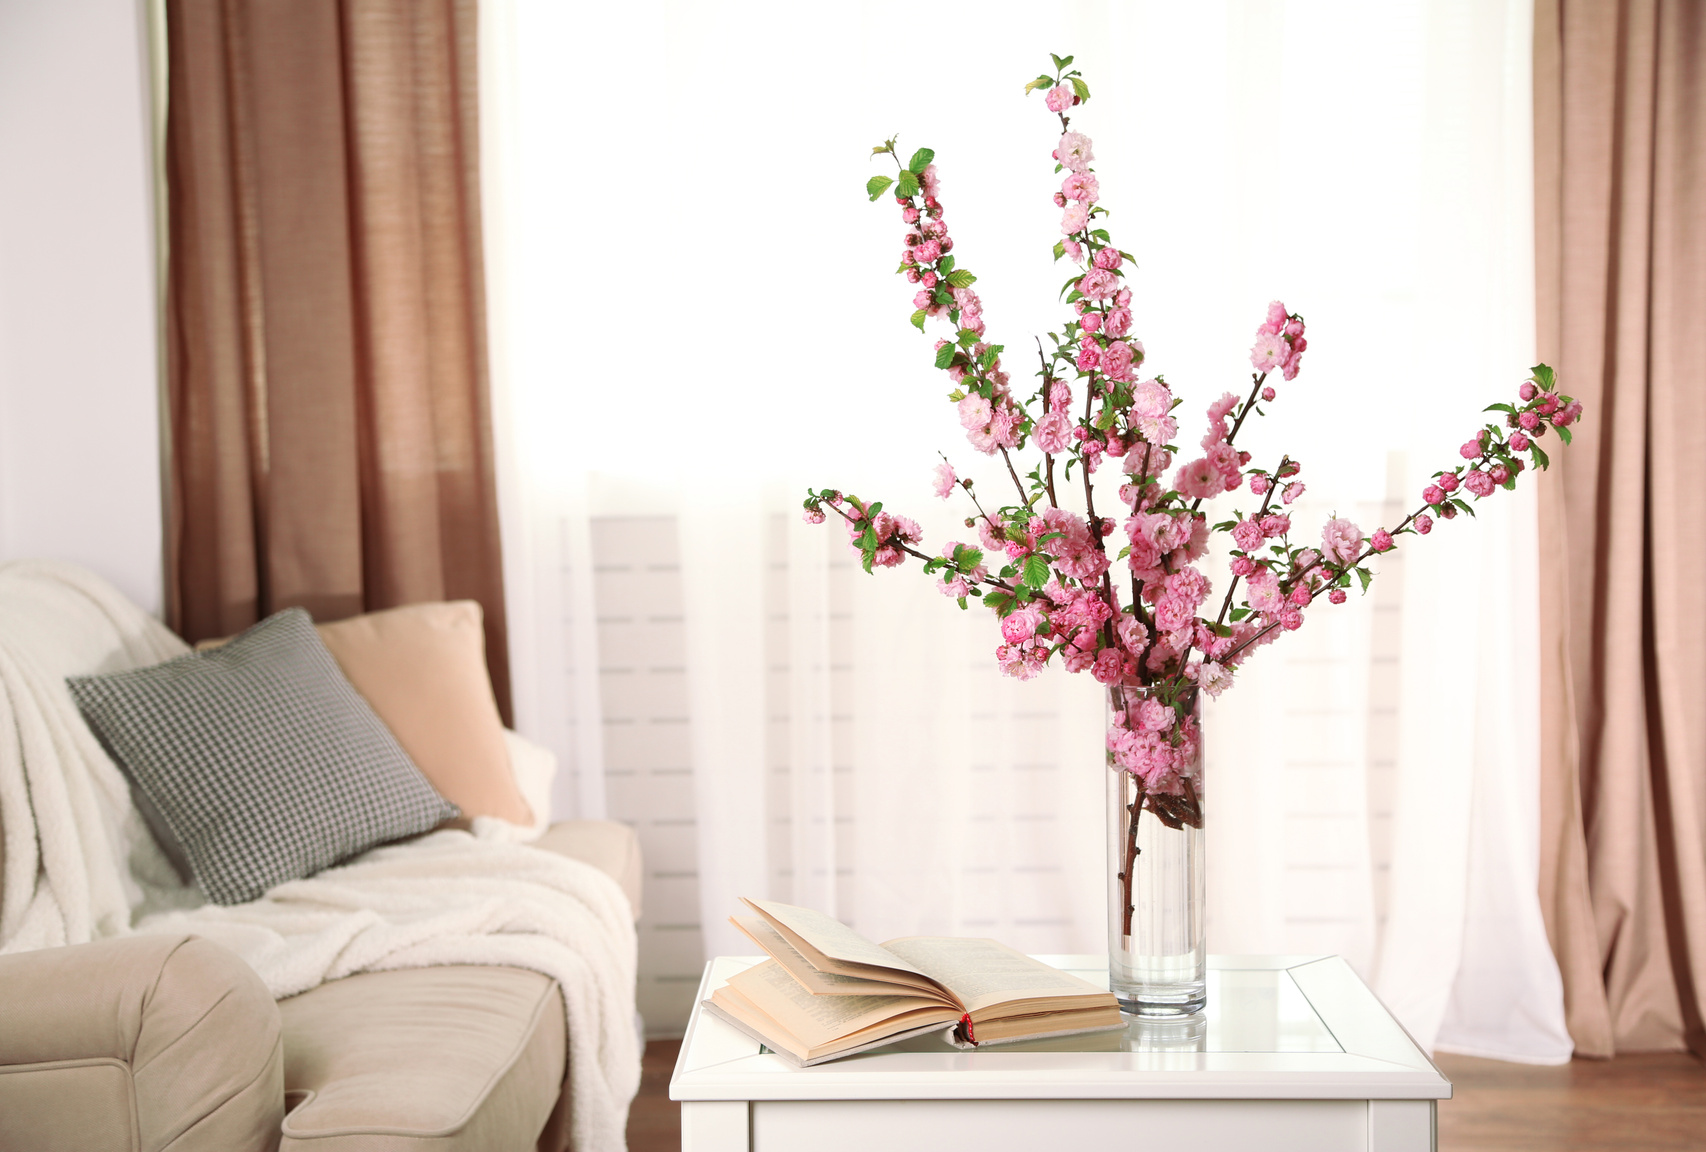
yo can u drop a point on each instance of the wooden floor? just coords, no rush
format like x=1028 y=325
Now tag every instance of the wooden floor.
x=1651 y=1102
x=1642 y=1103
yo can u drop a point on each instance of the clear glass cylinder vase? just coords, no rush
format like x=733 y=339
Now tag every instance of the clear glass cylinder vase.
x=1157 y=956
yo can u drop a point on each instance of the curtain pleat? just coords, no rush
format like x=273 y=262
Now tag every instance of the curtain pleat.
x=1620 y=137
x=330 y=416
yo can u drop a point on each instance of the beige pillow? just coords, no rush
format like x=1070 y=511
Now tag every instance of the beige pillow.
x=422 y=668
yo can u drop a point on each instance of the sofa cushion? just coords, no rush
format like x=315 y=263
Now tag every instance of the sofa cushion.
x=423 y=668
x=457 y=1057
x=259 y=759
x=610 y=847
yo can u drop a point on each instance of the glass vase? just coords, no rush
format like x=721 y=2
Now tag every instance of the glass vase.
x=1157 y=958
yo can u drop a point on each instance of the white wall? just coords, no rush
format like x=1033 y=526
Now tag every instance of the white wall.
x=79 y=409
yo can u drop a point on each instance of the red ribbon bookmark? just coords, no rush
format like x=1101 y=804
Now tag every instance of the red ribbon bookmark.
x=965 y=1025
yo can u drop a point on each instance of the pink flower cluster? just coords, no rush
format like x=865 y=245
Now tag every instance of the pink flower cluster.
x=1155 y=744
x=1279 y=344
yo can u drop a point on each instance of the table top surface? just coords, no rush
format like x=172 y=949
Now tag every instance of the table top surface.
x=1276 y=1027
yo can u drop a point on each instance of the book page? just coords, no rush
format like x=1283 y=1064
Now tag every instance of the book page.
x=821 y=983
x=983 y=973
x=830 y=946
x=819 y=1020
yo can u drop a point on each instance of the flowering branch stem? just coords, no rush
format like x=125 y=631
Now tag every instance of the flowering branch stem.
x=1248 y=407
x=1017 y=483
x=1267 y=500
x=926 y=557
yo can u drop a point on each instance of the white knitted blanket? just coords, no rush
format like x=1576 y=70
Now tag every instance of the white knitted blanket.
x=78 y=862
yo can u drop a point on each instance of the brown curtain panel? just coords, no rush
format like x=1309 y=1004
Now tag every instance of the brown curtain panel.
x=1620 y=182
x=330 y=419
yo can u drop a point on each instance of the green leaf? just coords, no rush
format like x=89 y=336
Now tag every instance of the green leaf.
x=918 y=319
x=1079 y=87
x=908 y=185
x=941 y=295
x=875 y=185
x=1365 y=576
x=1565 y=435
x=966 y=337
x=1075 y=296
x=1540 y=456
x=1238 y=614
x=1000 y=601
x=1037 y=571
x=1033 y=85
x=1499 y=408
x=987 y=360
x=968 y=558
x=1059 y=64
x=1059 y=249
x=960 y=278
x=1463 y=506
x=1101 y=234
x=945 y=355
x=920 y=160
x=945 y=265
x=1543 y=376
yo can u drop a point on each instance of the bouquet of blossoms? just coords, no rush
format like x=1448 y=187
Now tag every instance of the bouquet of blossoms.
x=1126 y=599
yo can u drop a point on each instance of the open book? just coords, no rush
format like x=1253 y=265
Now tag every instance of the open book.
x=827 y=992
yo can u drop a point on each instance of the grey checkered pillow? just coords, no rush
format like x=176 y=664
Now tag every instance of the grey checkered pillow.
x=259 y=758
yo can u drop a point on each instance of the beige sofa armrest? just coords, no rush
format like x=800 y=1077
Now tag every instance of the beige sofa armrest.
x=138 y=1043
x=610 y=847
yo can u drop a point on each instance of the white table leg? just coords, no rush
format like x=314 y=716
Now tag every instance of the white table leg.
x=1402 y=1126
x=716 y=1126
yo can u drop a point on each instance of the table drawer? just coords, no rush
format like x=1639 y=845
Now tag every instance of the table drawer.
x=1126 y=1125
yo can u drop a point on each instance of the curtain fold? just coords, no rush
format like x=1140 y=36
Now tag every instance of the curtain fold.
x=1620 y=143
x=331 y=429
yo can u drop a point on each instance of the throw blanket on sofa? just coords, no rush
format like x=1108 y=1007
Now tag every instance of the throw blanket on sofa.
x=77 y=862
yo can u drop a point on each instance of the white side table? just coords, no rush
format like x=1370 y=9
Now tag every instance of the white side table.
x=1293 y=1053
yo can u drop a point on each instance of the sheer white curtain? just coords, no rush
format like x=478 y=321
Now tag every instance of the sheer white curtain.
x=696 y=317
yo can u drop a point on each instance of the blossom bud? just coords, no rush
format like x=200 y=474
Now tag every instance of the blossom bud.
x=1471 y=449
x=1500 y=473
x=1268 y=393
x=1432 y=494
x=1528 y=391
x=1529 y=421
x=1448 y=483
x=1336 y=596
x=1548 y=405
x=1424 y=524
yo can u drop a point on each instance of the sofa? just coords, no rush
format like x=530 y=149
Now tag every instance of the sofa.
x=143 y=1040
